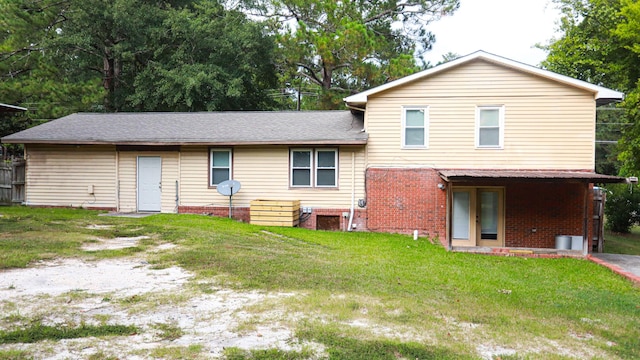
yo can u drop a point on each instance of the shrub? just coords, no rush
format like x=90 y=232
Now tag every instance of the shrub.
x=622 y=208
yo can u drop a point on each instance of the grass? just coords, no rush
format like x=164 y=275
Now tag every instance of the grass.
x=33 y=234
x=617 y=243
x=38 y=332
x=439 y=304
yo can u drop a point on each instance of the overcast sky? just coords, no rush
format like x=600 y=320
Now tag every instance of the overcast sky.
x=509 y=28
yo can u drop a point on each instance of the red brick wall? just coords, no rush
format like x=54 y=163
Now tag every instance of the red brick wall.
x=404 y=200
x=549 y=208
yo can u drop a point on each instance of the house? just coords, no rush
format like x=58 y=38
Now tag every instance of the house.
x=481 y=151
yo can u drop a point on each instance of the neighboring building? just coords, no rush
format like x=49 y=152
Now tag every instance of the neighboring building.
x=479 y=152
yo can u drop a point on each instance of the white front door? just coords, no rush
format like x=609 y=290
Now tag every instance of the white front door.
x=149 y=183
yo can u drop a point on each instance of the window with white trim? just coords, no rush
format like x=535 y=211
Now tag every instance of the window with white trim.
x=489 y=127
x=415 y=127
x=326 y=168
x=219 y=166
x=301 y=162
x=314 y=167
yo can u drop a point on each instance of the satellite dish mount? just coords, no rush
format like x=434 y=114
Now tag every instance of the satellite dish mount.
x=228 y=188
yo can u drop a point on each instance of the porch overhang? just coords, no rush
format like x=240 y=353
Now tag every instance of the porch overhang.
x=549 y=176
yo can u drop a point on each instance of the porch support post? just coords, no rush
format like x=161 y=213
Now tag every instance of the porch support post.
x=585 y=231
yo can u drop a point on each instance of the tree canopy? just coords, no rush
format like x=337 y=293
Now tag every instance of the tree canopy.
x=600 y=44
x=344 y=47
x=63 y=56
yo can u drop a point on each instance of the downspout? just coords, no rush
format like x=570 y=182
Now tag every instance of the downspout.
x=353 y=190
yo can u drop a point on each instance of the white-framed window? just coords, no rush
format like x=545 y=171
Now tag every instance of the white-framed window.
x=415 y=127
x=490 y=127
x=220 y=166
x=301 y=166
x=314 y=167
x=326 y=168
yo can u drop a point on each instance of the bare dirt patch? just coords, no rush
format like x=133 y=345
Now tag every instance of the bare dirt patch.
x=131 y=292
x=113 y=244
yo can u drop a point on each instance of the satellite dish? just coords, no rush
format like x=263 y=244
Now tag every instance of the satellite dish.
x=229 y=187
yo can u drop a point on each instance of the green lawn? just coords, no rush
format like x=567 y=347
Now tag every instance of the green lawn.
x=617 y=243
x=446 y=304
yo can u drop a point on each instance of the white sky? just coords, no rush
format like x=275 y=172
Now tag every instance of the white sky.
x=508 y=28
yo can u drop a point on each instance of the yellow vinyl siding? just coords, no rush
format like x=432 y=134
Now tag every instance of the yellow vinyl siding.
x=547 y=125
x=127 y=179
x=60 y=175
x=264 y=175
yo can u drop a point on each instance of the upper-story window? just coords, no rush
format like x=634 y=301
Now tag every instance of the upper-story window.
x=415 y=127
x=490 y=127
x=314 y=167
x=220 y=166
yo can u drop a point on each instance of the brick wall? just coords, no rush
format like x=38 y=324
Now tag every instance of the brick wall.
x=404 y=200
x=549 y=208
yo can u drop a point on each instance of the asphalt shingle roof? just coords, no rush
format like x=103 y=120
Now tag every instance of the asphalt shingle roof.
x=224 y=128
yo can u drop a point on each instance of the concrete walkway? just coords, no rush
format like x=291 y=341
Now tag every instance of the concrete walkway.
x=625 y=265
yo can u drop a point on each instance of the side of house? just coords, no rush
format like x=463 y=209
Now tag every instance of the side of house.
x=482 y=152
x=325 y=174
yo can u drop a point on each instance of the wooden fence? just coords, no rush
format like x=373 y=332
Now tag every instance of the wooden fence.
x=599 y=199
x=12 y=182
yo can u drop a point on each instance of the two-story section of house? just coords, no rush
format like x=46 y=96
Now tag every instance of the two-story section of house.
x=482 y=152
x=478 y=152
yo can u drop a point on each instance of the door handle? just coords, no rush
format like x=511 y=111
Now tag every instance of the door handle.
x=160 y=185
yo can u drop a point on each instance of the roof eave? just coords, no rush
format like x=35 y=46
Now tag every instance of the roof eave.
x=600 y=93
x=185 y=143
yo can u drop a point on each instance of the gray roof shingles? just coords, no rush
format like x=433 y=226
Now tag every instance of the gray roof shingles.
x=223 y=128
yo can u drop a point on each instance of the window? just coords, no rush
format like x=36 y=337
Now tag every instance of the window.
x=220 y=164
x=301 y=168
x=326 y=174
x=415 y=124
x=314 y=167
x=489 y=125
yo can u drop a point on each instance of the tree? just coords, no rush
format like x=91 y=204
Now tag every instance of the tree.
x=347 y=46
x=627 y=31
x=207 y=58
x=623 y=208
x=31 y=72
x=599 y=44
x=63 y=56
